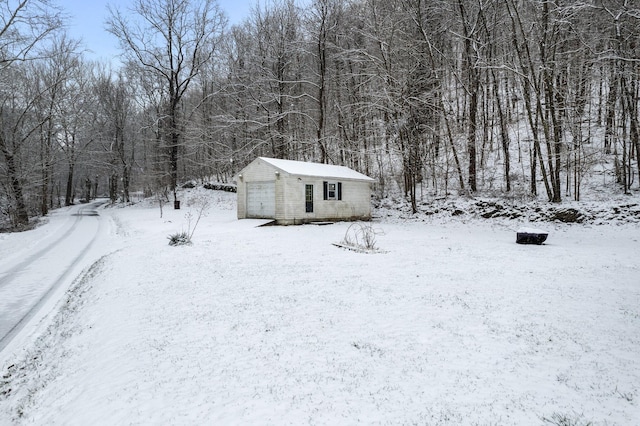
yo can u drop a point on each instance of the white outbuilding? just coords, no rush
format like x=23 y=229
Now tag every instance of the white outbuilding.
x=295 y=192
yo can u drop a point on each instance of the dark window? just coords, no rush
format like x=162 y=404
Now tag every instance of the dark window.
x=332 y=190
x=308 y=198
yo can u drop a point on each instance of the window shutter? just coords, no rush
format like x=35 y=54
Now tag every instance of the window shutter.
x=339 y=190
x=325 y=190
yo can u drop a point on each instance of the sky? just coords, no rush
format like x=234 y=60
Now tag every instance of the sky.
x=87 y=22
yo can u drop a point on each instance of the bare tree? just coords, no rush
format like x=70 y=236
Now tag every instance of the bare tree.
x=622 y=117
x=116 y=113
x=172 y=39
x=52 y=75
x=405 y=89
x=24 y=27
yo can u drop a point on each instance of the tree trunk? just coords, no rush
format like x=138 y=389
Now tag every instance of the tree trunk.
x=46 y=177
x=504 y=135
x=322 y=70
x=610 y=114
x=634 y=130
x=471 y=134
x=113 y=187
x=126 y=170
x=473 y=79
x=21 y=217
x=68 y=198
x=173 y=161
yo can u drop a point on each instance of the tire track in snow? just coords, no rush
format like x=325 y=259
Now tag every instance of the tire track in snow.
x=10 y=274
x=16 y=323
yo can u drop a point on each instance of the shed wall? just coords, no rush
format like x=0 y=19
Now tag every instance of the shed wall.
x=354 y=205
x=290 y=196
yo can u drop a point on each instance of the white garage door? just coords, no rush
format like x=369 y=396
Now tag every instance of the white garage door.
x=261 y=199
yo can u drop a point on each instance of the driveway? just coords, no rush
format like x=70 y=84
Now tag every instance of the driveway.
x=30 y=273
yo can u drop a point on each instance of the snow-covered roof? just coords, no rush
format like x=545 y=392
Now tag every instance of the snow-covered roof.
x=302 y=168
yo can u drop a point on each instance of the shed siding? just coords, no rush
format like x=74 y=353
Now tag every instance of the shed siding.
x=290 y=196
x=355 y=203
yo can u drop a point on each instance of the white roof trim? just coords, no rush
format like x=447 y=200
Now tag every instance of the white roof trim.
x=302 y=168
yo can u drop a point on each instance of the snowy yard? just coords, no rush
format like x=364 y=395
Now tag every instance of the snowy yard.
x=450 y=323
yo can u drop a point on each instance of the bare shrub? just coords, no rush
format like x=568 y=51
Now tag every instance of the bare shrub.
x=361 y=236
x=185 y=237
x=179 y=239
x=562 y=419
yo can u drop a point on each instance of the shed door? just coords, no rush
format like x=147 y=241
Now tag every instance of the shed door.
x=308 y=198
x=261 y=199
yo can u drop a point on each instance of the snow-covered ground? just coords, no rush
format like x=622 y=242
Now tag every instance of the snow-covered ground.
x=38 y=266
x=449 y=322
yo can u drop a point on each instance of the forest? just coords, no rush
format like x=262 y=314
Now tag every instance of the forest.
x=525 y=99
